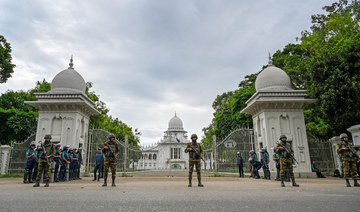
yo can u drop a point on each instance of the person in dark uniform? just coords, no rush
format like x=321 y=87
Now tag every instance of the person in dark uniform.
x=31 y=161
x=265 y=160
x=255 y=164
x=240 y=164
x=65 y=160
x=99 y=162
x=276 y=159
x=195 y=150
x=57 y=160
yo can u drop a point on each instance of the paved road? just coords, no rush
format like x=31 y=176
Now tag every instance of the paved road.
x=163 y=193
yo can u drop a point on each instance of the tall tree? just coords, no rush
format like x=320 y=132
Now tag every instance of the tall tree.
x=6 y=67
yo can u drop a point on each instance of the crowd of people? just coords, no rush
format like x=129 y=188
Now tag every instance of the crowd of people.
x=39 y=160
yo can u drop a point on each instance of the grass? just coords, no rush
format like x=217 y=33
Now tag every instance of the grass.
x=10 y=175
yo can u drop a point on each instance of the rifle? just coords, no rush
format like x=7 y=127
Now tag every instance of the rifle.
x=196 y=152
x=288 y=152
x=353 y=151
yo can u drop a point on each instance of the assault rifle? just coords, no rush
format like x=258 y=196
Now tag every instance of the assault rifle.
x=196 y=152
x=288 y=152
x=353 y=151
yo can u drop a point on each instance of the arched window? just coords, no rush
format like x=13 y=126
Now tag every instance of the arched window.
x=150 y=156
x=145 y=156
x=154 y=156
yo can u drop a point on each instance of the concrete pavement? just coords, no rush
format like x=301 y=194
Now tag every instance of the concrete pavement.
x=169 y=192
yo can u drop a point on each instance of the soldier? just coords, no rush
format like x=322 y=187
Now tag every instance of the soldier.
x=240 y=164
x=348 y=158
x=45 y=153
x=57 y=160
x=286 y=154
x=195 y=150
x=111 y=152
x=264 y=155
x=30 y=163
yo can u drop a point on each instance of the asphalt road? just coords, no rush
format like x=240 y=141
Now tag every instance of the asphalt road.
x=166 y=193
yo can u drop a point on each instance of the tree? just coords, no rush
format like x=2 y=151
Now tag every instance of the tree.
x=327 y=63
x=6 y=67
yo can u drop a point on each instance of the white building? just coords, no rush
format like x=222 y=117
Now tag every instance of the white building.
x=65 y=110
x=169 y=152
x=277 y=109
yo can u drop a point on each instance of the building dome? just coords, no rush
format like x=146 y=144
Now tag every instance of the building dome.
x=272 y=78
x=175 y=123
x=68 y=81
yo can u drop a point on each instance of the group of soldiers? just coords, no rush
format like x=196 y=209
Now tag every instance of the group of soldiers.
x=40 y=157
x=106 y=158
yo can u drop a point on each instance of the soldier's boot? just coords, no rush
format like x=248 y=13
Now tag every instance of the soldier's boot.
x=190 y=184
x=37 y=184
x=46 y=183
x=26 y=173
x=105 y=182
x=98 y=177
x=30 y=177
x=347 y=183
x=293 y=182
x=113 y=181
x=356 y=184
x=282 y=181
x=199 y=182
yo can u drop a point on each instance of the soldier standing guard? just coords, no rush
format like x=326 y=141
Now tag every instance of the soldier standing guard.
x=45 y=153
x=286 y=154
x=111 y=152
x=194 y=149
x=348 y=158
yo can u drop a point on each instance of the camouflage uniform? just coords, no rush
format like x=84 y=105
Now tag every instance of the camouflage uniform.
x=44 y=152
x=286 y=160
x=195 y=150
x=348 y=159
x=110 y=158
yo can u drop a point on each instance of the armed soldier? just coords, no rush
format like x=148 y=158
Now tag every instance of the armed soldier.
x=195 y=150
x=286 y=154
x=348 y=158
x=45 y=153
x=30 y=163
x=111 y=152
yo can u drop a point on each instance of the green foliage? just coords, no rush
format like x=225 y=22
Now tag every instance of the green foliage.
x=6 y=67
x=327 y=64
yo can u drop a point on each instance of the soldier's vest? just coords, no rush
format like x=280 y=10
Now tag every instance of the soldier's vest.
x=111 y=152
x=283 y=153
x=347 y=153
x=192 y=154
x=47 y=151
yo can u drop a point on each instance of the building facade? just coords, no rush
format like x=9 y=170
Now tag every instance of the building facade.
x=169 y=152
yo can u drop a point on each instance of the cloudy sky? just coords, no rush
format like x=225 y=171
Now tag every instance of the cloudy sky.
x=149 y=59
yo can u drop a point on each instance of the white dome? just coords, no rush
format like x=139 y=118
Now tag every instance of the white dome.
x=68 y=81
x=273 y=78
x=175 y=123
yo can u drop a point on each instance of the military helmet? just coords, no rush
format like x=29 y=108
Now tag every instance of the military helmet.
x=282 y=136
x=47 y=136
x=238 y=153
x=343 y=135
x=32 y=144
x=193 y=136
x=251 y=152
x=111 y=136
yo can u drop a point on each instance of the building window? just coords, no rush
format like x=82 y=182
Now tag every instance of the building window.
x=175 y=153
x=150 y=156
x=145 y=164
x=154 y=164
x=154 y=156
